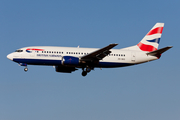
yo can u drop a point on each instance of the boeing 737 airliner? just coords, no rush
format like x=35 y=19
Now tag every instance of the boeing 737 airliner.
x=69 y=59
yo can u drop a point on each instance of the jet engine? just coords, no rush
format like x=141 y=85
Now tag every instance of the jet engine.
x=65 y=69
x=70 y=61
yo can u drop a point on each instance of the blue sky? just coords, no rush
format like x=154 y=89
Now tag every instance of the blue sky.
x=142 y=92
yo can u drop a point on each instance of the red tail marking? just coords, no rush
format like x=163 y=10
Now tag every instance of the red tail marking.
x=155 y=31
x=145 y=47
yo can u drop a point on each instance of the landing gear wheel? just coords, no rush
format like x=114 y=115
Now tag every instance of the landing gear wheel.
x=84 y=73
x=25 y=69
x=88 y=69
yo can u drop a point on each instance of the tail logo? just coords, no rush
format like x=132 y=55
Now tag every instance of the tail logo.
x=151 y=41
x=155 y=31
x=157 y=40
x=145 y=47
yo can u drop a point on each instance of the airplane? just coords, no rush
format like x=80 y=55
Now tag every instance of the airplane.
x=70 y=59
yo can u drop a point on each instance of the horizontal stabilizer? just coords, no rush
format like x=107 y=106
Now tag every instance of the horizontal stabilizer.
x=159 y=51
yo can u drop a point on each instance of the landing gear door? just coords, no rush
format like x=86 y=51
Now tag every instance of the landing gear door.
x=133 y=56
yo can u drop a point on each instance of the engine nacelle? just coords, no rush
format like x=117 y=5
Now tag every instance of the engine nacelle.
x=65 y=69
x=70 y=61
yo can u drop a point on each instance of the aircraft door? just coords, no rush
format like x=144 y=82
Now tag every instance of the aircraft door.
x=32 y=53
x=133 y=56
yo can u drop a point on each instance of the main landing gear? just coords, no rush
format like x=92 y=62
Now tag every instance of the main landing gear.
x=87 y=69
x=84 y=73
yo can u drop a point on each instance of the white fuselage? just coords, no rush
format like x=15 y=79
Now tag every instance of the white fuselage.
x=45 y=55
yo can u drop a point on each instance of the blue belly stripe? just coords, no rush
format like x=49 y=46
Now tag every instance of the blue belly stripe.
x=112 y=64
x=38 y=61
x=58 y=62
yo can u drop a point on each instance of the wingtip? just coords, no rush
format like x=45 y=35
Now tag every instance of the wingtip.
x=113 y=44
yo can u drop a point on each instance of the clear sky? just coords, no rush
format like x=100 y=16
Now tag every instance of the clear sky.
x=150 y=91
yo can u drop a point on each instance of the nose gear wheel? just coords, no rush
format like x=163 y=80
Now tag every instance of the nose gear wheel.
x=26 y=69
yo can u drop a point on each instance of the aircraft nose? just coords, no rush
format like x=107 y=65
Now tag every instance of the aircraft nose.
x=10 y=56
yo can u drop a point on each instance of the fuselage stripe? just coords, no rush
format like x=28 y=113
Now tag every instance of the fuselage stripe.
x=35 y=49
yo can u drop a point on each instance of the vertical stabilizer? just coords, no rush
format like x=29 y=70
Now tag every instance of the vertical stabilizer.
x=151 y=41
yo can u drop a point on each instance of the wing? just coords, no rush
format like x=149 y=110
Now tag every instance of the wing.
x=98 y=54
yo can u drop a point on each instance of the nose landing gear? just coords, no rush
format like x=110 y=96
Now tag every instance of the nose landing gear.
x=24 y=64
x=26 y=69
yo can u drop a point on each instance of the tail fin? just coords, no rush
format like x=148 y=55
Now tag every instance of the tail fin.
x=151 y=41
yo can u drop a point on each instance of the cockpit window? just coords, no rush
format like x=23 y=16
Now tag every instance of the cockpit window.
x=19 y=51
